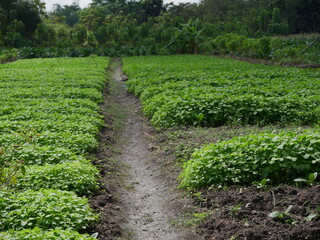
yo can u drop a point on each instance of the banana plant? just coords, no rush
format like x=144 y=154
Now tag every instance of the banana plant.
x=187 y=38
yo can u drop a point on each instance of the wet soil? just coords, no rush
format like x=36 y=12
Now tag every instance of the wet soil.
x=138 y=199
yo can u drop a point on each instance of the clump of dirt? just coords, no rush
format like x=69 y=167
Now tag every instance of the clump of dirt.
x=243 y=213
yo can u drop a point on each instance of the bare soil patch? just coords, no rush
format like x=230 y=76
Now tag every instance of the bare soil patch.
x=242 y=213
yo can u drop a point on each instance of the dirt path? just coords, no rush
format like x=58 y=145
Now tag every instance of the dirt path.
x=149 y=201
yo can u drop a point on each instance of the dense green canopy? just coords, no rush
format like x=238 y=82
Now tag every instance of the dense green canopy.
x=114 y=23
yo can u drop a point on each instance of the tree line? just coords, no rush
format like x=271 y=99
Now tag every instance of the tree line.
x=151 y=23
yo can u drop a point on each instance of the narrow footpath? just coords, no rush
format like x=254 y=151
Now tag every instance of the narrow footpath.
x=148 y=201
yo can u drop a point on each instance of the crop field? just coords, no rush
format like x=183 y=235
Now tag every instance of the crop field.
x=241 y=133
x=49 y=120
x=211 y=92
x=246 y=137
x=204 y=91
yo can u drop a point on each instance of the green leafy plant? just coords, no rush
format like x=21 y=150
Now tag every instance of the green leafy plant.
x=235 y=209
x=204 y=91
x=243 y=160
x=79 y=177
x=38 y=155
x=46 y=209
x=196 y=218
x=40 y=234
x=48 y=123
x=263 y=183
x=311 y=217
x=310 y=181
x=283 y=216
x=9 y=172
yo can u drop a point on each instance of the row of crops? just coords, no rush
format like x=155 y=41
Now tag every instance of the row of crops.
x=49 y=120
x=210 y=92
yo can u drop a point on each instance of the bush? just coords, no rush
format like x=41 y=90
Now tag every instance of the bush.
x=39 y=234
x=206 y=91
x=235 y=110
x=46 y=209
x=244 y=160
x=78 y=177
x=77 y=143
x=7 y=55
x=279 y=49
x=38 y=155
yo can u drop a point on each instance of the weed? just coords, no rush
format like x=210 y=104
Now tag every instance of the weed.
x=283 y=216
x=235 y=209
x=311 y=181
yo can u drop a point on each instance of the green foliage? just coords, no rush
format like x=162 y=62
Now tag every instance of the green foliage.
x=310 y=181
x=244 y=160
x=39 y=234
x=147 y=27
x=188 y=38
x=77 y=143
x=8 y=172
x=46 y=209
x=284 y=217
x=311 y=217
x=205 y=91
x=50 y=109
x=49 y=119
x=281 y=50
x=38 y=155
x=7 y=55
x=78 y=177
x=235 y=209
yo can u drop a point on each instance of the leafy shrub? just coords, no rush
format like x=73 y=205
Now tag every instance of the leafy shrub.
x=39 y=234
x=8 y=55
x=38 y=155
x=46 y=209
x=285 y=54
x=235 y=110
x=205 y=91
x=280 y=49
x=78 y=177
x=52 y=126
x=57 y=105
x=78 y=143
x=243 y=160
x=50 y=117
x=56 y=52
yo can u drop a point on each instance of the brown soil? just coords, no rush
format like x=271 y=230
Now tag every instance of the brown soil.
x=106 y=201
x=138 y=199
x=242 y=213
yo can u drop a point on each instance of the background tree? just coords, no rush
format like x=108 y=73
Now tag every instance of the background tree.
x=67 y=13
